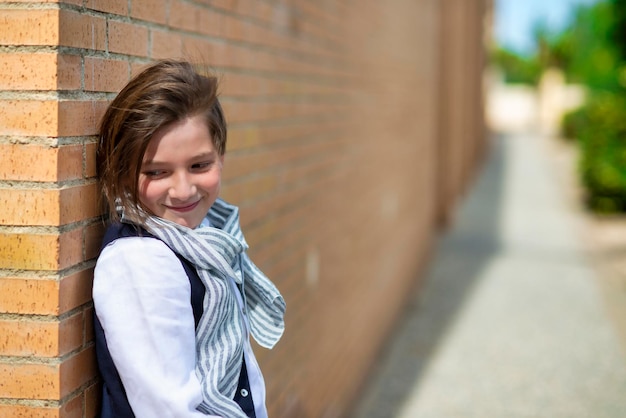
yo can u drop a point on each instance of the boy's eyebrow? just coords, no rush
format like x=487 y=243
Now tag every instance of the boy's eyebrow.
x=208 y=154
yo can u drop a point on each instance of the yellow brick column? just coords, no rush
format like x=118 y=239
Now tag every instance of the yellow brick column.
x=49 y=217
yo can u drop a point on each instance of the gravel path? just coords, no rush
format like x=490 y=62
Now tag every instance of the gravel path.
x=513 y=319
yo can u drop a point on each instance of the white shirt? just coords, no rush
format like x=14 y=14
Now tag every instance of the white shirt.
x=142 y=296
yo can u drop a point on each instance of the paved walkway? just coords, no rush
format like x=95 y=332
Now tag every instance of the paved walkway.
x=509 y=321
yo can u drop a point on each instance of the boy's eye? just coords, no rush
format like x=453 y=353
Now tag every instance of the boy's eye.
x=202 y=165
x=154 y=173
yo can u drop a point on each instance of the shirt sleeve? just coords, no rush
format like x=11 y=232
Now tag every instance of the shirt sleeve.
x=142 y=298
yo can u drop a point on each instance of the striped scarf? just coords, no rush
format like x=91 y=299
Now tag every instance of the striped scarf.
x=218 y=254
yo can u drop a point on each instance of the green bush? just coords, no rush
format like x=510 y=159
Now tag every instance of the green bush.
x=573 y=123
x=600 y=126
x=592 y=52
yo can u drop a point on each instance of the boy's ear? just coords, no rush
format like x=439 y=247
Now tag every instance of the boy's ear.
x=222 y=159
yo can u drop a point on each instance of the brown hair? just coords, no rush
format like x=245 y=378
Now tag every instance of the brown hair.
x=165 y=92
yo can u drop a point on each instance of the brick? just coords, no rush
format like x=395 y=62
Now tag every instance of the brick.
x=29 y=207
x=105 y=74
x=136 y=68
x=68 y=72
x=70 y=249
x=76 y=118
x=31 y=162
x=78 y=203
x=233 y=28
x=29 y=296
x=75 y=2
x=79 y=117
x=82 y=31
x=42 y=1
x=126 y=38
x=165 y=44
x=204 y=50
x=255 y=212
x=151 y=11
x=20 y=411
x=29 y=251
x=90 y=160
x=235 y=56
x=70 y=334
x=45 y=71
x=243 y=7
x=184 y=15
x=28 y=338
x=249 y=112
x=119 y=7
x=250 y=189
x=40 y=251
x=48 y=206
x=29 y=27
x=263 y=11
x=74 y=290
x=230 y=5
x=42 y=71
x=242 y=138
x=73 y=408
x=78 y=370
x=29 y=381
x=29 y=117
x=69 y=160
x=249 y=164
x=93 y=238
x=89 y=330
x=92 y=400
x=210 y=23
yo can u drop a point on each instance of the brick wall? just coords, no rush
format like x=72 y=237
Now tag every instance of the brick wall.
x=461 y=134
x=354 y=126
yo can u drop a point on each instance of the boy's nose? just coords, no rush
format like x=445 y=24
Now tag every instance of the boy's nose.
x=182 y=188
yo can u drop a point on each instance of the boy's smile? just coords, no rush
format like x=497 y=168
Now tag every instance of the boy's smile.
x=181 y=172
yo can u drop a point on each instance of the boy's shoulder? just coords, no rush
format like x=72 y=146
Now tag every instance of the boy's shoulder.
x=118 y=230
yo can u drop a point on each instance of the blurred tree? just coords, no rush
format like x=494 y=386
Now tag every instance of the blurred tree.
x=516 y=68
x=553 y=49
x=618 y=28
x=593 y=56
x=617 y=33
x=590 y=50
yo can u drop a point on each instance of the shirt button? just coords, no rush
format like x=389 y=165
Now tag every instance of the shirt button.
x=244 y=392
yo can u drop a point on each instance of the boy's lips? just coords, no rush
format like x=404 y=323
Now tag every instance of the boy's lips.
x=183 y=208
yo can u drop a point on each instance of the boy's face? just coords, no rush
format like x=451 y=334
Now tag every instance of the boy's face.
x=181 y=172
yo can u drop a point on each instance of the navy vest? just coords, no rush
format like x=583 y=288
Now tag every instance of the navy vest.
x=114 y=400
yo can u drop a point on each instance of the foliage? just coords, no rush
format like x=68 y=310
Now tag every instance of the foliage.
x=587 y=50
x=574 y=122
x=591 y=51
x=515 y=67
x=617 y=31
x=553 y=49
x=600 y=127
x=595 y=55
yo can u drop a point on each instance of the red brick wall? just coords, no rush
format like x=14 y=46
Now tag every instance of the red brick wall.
x=353 y=127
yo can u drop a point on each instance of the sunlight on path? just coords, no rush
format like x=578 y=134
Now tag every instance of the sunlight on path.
x=532 y=338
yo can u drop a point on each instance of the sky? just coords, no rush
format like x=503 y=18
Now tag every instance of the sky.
x=515 y=19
